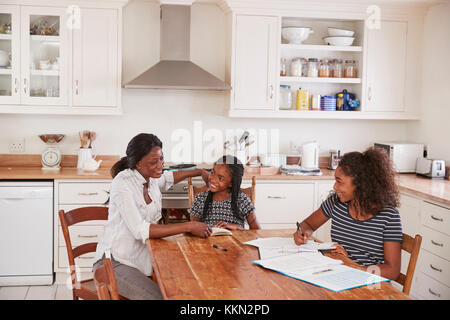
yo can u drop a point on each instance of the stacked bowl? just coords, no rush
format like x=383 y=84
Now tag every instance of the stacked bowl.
x=339 y=37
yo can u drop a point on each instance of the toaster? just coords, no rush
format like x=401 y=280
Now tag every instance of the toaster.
x=430 y=168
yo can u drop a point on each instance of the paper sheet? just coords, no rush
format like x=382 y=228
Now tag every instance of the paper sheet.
x=287 y=245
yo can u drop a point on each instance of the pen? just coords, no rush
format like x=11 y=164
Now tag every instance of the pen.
x=321 y=271
x=300 y=228
x=219 y=247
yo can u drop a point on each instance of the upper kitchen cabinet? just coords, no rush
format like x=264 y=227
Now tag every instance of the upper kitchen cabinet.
x=61 y=59
x=96 y=80
x=9 y=54
x=254 y=75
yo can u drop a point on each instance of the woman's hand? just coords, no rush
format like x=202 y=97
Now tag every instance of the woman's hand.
x=200 y=229
x=339 y=249
x=229 y=226
x=205 y=176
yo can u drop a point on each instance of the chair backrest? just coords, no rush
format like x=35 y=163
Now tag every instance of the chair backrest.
x=193 y=191
x=70 y=218
x=412 y=246
x=105 y=281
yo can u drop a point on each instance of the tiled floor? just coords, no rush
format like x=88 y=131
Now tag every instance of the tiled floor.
x=53 y=292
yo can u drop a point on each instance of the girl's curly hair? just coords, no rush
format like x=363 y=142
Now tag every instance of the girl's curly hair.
x=373 y=176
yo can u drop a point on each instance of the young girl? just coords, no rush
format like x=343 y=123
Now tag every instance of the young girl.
x=224 y=204
x=365 y=222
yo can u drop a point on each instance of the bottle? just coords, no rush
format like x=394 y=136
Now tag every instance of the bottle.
x=340 y=102
x=302 y=99
x=283 y=67
x=285 y=97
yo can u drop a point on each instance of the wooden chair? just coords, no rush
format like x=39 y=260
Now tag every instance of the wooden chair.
x=193 y=191
x=411 y=245
x=81 y=289
x=105 y=281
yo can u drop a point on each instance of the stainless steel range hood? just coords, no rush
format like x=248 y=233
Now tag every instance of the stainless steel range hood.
x=175 y=70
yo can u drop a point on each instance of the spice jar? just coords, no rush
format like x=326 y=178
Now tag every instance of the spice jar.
x=312 y=67
x=296 y=68
x=285 y=97
x=283 y=67
x=324 y=68
x=338 y=68
x=350 y=69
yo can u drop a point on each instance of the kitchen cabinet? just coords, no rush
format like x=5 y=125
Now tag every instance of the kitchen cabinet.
x=64 y=60
x=280 y=204
x=255 y=62
x=69 y=195
x=95 y=81
x=322 y=193
x=386 y=67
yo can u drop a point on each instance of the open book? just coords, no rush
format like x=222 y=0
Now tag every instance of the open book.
x=216 y=231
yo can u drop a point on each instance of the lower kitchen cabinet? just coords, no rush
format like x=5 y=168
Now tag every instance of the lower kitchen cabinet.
x=69 y=195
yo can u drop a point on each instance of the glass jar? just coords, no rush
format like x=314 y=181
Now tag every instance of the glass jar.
x=285 y=97
x=338 y=68
x=283 y=67
x=350 y=69
x=313 y=70
x=324 y=68
x=296 y=68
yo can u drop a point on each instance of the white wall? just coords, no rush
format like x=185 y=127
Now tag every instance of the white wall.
x=163 y=111
x=434 y=127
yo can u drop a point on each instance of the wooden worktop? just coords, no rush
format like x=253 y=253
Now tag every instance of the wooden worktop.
x=27 y=167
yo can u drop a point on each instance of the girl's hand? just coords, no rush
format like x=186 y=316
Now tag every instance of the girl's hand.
x=229 y=226
x=340 y=250
x=299 y=239
x=200 y=229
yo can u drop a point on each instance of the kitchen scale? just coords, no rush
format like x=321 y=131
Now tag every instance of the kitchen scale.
x=51 y=156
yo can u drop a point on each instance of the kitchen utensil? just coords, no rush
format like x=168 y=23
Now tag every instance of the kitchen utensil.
x=84 y=138
x=92 y=137
x=296 y=35
x=332 y=32
x=339 y=41
x=333 y=162
x=310 y=155
x=430 y=168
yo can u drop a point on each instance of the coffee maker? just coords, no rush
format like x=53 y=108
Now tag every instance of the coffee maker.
x=333 y=162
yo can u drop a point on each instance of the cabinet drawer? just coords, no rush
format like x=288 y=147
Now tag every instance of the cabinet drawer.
x=83 y=261
x=284 y=203
x=436 y=217
x=81 y=234
x=430 y=289
x=435 y=267
x=436 y=242
x=83 y=193
x=66 y=208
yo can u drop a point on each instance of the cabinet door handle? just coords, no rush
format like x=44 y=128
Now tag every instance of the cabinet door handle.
x=87 y=236
x=433 y=293
x=15 y=85
x=76 y=87
x=270 y=92
x=25 y=84
x=437 y=243
x=88 y=193
x=437 y=219
x=369 y=93
x=275 y=197
x=86 y=258
x=434 y=268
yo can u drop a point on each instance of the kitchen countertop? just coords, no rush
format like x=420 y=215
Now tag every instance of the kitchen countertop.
x=432 y=189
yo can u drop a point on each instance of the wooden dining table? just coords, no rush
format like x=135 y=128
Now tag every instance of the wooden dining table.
x=190 y=268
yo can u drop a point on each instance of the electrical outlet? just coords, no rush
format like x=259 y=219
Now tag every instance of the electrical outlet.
x=17 y=146
x=295 y=148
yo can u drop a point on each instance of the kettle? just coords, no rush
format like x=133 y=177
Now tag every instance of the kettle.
x=310 y=155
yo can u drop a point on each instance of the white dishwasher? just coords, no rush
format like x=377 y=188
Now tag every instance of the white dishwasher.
x=26 y=233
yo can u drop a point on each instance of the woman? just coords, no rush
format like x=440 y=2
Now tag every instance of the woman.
x=365 y=222
x=224 y=204
x=134 y=212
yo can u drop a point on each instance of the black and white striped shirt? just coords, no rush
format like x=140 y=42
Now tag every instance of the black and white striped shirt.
x=363 y=240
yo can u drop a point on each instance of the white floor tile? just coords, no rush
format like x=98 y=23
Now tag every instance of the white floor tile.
x=13 y=293
x=63 y=293
x=41 y=293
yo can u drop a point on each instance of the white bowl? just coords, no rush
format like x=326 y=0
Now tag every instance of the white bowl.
x=296 y=34
x=332 y=32
x=339 y=41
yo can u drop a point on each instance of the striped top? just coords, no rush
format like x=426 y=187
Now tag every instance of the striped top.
x=363 y=240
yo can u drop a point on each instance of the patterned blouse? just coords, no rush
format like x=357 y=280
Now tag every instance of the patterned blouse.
x=221 y=210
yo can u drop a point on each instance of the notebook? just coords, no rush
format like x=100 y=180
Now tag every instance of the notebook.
x=216 y=231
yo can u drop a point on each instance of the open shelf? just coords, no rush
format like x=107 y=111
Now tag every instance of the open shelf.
x=44 y=72
x=45 y=38
x=318 y=80
x=5 y=71
x=5 y=36
x=315 y=47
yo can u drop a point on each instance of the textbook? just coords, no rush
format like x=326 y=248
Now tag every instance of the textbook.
x=216 y=231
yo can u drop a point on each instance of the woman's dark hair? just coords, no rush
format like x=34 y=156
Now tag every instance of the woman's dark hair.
x=373 y=176
x=236 y=170
x=137 y=148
